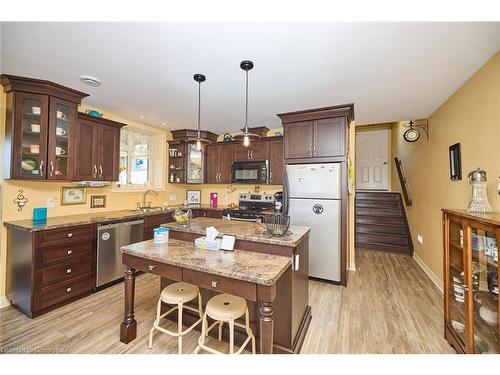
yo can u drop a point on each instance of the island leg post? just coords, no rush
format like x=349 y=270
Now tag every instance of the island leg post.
x=266 y=328
x=128 y=328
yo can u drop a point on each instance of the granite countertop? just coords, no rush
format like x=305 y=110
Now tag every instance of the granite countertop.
x=249 y=266
x=243 y=230
x=29 y=225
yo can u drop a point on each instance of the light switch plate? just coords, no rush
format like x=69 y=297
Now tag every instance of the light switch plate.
x=172 y=197
x=51 y=202
x=420 y=238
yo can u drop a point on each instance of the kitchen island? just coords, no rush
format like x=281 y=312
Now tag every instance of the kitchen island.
x=270 y=273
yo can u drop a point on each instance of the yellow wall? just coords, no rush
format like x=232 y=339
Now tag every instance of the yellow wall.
x=471 y=116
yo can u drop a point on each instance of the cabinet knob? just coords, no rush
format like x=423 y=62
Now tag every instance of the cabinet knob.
x=68 y=290
x=70 y=235
x=70 y=252
x=214 y=284
x=68 y=270
x=151 y=267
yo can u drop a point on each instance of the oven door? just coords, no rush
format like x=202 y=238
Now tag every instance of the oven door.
x=251 y=172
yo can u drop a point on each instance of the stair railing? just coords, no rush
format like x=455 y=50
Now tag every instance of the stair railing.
x=403 y=181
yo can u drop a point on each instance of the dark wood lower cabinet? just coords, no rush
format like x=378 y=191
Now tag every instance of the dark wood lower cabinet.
x=154 y=221
x=49 y=268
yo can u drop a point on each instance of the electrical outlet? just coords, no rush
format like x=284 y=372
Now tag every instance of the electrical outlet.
x=172 y=197
x=51 y=202
x=420 y=238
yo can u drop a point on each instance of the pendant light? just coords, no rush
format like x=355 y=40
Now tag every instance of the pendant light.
x=246 y=136
x=199 y=140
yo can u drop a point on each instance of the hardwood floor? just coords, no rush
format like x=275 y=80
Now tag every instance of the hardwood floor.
x=389 y=306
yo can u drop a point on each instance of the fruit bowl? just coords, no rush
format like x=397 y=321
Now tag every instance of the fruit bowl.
x=181 y=217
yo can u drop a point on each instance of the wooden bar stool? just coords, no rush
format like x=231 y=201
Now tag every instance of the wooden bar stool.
x=225 y=308
x=177 y=294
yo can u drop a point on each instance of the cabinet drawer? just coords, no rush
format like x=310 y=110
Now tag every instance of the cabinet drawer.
x=61 y=272
x=221 y=284
x=51 y=295
x=68 y=235
x=49 y=256
x=150 y=266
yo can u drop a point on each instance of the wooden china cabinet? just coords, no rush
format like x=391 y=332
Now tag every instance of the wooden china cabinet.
x=471 y=303
x=40 y=126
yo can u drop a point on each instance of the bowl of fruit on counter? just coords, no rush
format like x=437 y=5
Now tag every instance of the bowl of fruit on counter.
x=182 y=217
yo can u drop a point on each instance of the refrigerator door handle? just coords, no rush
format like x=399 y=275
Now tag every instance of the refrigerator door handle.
x=286 y=196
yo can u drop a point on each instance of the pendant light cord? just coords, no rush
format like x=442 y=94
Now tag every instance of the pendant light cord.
x=199 y=108
x=246 y=103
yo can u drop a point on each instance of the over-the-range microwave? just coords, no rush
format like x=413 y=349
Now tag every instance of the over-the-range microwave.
x=251 y=172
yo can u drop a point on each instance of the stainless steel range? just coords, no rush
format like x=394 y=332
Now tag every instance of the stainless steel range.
x=252 y=207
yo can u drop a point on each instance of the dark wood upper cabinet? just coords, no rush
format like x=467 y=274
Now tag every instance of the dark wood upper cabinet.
x=86 y=150
x=258 y=150
x=276 y=162
x=317 y=134
x=212 y=163
x=186 y=164
x=298 y=140
x=97 y=156
x=218 y=163
x=40 y=128
x=329 y=137
x=225 y=163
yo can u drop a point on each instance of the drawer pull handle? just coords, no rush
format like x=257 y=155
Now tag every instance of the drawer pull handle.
x=68 y=270
x=151 y=268
x=70 y=235
x=70 y=252
x=68 y=289
x=214 y=284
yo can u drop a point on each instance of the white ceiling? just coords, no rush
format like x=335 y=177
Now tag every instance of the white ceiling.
x=390 y=71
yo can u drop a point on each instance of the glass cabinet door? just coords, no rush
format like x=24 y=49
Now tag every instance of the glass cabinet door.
x=457 y=283
x=194 y=164
x=62 y=121
x=30 y=156
x=484 y=277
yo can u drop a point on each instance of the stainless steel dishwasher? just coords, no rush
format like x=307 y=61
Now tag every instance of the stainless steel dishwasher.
x=110 y=238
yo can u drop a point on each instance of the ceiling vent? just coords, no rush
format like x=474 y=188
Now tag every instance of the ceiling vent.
x=90 y=81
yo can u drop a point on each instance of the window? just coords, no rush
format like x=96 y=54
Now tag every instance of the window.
x=140 y=160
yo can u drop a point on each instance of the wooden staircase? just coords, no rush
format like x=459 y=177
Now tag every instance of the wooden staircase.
x=381 y=223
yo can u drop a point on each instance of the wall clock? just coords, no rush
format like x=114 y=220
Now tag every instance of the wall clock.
x=411 y=135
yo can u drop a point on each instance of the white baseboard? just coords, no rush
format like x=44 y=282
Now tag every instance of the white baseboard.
x=429 y=273
x=4 y=302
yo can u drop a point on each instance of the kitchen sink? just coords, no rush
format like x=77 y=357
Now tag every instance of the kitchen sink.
x=148 y=209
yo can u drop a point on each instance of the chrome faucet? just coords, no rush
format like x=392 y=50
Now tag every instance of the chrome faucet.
x=145 y=196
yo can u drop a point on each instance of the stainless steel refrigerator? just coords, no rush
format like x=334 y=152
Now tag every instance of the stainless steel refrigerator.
x=313 y=199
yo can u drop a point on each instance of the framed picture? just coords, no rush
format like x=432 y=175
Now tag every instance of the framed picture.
x=455 y=162
x=193 y=196
x=73 y=195
x=97 y=201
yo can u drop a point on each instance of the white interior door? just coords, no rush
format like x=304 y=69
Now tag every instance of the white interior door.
x=372 y=160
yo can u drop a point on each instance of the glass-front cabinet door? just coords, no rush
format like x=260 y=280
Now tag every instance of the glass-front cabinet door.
x=457 y=289
x=30 y=141
x=62 y=122
x=483 y=277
